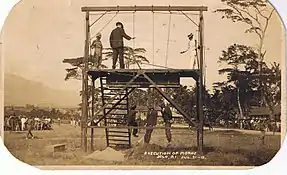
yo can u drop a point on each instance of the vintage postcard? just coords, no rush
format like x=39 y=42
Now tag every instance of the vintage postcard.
x=186 y=84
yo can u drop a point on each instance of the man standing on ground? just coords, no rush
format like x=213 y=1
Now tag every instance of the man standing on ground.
x=131 y=120
x=167 y=117
x=30 y=124
x=23 y=121
x=117 y=44
x=59 y=121
x=150 y=122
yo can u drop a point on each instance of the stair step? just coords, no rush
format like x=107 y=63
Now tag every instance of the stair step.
x=109 y=88
x=107 y=98
x=115 y=118
x=113 y=94
x=116 y=114
x=116 y=108
x=119 y=136
x=118 y=140
x=115 y=123
x=118 y=144
x=113 y=131
x=118 y=105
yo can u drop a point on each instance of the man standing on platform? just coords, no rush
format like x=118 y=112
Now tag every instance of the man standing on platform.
x=167 y=117
x=98 y=49
x=117 y=44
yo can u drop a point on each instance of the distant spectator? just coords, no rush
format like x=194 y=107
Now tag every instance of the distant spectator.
x=59 y=121
x=30 y=124
x=23 y=121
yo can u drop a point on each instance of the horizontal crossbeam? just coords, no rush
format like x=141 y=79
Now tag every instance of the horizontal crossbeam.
x=144 y=8
x=194 y=73
x=143 y=127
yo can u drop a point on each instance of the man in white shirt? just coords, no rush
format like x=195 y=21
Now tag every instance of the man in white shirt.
x=23 y=121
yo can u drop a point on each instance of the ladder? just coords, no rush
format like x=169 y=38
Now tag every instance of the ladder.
x=115 y=137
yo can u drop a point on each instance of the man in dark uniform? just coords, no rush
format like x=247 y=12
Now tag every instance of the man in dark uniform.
x=151 y=121
x=131 y=120
x=117 y=44
x=167 y=117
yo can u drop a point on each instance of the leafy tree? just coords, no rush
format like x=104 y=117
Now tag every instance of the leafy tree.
x=75 y=72
x=241 y=67
x=271 y=78
x=239 y=60
x=138 y=97
x=223 y=103
x=256 y=14
x=154 y=98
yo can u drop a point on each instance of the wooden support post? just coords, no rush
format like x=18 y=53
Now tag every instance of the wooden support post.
x=200 y=86
x=93 y=109
x=104 y=111
x=197 y=114
x=128 y=110
x=85 y=85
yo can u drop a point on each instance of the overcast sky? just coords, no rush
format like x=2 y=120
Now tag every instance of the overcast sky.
x=39 y=34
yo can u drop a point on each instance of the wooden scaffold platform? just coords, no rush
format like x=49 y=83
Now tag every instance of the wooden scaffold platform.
x=117 y=84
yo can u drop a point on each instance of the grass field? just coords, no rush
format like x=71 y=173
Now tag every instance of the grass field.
x=221 y=148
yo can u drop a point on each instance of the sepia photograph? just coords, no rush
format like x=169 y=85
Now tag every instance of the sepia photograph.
x=140 y=84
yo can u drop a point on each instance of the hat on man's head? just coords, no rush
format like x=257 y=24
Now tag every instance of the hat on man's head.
x=119 y=23
x=99 y=35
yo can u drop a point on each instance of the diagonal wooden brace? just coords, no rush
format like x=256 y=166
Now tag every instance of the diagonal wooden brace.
x=170 y=101
x=117 y=94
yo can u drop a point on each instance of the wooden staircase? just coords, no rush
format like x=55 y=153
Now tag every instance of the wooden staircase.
x=115 y=137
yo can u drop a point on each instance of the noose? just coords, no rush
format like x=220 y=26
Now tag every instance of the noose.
x=168 y=38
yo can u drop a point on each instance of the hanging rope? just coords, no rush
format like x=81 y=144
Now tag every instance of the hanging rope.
x=134 y=28
x=204 y=61
x=153 y=38
x=133 y=53
x=168 y=38
x=106 y=24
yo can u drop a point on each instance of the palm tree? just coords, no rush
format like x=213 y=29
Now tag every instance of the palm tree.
x=131 y=56
x=77 y=65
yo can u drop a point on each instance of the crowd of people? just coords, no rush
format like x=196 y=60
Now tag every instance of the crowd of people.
x=257 y=124
x=75 y=122
x=20 y=123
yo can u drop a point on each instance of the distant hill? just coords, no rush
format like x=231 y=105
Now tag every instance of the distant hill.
x=19 y=91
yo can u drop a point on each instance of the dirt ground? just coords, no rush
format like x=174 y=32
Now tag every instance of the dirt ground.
x=221 y=148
